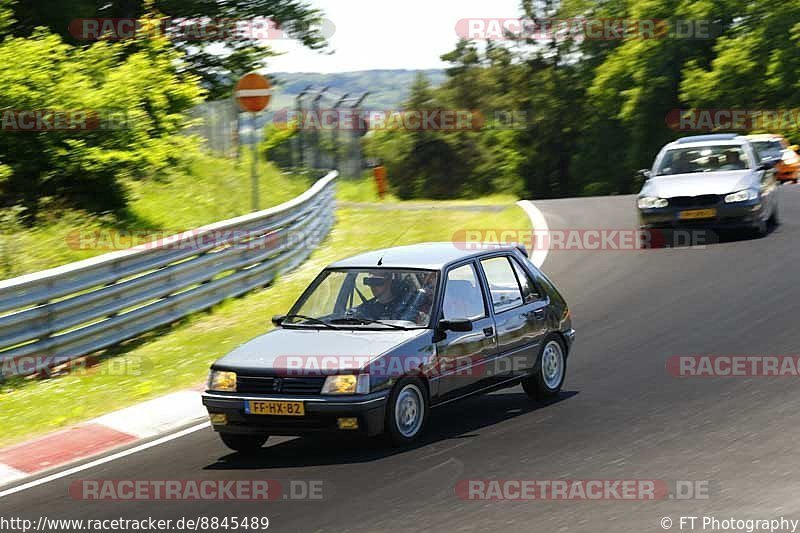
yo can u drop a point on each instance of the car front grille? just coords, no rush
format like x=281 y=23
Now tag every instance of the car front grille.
x=279 y=385
x=704 y=200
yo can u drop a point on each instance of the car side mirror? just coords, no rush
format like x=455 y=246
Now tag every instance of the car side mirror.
x=277 y=320
x=767 y=164
x=645 y=173
x=456 y=324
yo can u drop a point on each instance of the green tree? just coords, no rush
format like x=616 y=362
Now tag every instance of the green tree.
x=217 y=71
x=755 y=65
x=135 y=105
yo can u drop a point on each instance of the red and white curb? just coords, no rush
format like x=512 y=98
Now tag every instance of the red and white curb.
x=120 y=428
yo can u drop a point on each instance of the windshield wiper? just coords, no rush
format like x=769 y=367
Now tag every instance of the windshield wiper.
x=310 y=319
x=364 y=320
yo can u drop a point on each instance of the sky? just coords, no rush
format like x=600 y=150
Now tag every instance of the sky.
x=383 y=34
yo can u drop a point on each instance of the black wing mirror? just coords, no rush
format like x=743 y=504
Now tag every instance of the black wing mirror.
x=768 y=164
x=456 y=324
x=278 y=319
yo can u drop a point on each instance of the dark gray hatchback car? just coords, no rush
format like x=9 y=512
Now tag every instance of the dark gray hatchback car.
x=378 y=340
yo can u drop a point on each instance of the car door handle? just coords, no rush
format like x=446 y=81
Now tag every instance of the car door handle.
x=538 y=313
x=488 y=331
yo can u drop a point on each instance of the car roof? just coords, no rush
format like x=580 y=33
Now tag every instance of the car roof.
x=429 y=255
x=714 y=139
x=710 y=137
x=765 y=137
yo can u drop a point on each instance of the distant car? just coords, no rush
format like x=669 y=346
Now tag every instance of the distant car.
x=777 y=147
x=378 y=340
x=710 y=181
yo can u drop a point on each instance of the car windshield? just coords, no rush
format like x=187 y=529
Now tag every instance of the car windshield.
x=768 y=149
x=703 y=159
x=367 y=298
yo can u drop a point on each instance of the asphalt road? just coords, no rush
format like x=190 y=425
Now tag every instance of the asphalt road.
x=622 y=415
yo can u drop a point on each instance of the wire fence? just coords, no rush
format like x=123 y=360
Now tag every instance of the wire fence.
x=312 y=147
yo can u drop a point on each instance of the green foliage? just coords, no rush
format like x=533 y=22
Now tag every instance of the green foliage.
x=138 y=99
x=592 y=111
x=206 y=189
x=6 y=16
x=277 y=144
x=217 y=72
x=597 y=188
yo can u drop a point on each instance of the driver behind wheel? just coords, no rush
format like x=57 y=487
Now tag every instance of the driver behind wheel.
x=392 y=299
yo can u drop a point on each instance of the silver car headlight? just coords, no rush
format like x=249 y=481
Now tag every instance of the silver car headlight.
x=741 y=196
x=652 y=202
x=346 y=384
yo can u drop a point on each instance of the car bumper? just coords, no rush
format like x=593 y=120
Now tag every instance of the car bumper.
x=569 y=337
x=726 y=216
x=321 y=414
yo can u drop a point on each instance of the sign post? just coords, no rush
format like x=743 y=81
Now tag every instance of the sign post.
x=253 y=93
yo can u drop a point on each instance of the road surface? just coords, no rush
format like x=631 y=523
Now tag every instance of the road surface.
x=622 y=415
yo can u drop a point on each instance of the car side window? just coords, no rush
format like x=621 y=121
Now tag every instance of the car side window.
x=529 y=291
x=463 y=296
x=502 y=284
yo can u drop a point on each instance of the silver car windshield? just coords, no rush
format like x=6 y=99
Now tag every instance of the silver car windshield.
x=768 y=149
x=703 y=159
x=372 y=298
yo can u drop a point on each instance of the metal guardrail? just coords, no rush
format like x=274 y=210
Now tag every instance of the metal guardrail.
x=53 y=316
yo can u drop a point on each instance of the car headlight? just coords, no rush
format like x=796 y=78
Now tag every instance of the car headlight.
x=651 y=202
x=741 y=196
x=346 y=384
x=219 y=380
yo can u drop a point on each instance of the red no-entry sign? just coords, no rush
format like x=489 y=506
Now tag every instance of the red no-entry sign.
x=253 y=92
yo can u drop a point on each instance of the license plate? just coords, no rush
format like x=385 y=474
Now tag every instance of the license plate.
x=264 y=407
x=698 y=213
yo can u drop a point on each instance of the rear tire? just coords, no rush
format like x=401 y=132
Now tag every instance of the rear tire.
x=243 y=443
x=552 y=361
x=407 y=411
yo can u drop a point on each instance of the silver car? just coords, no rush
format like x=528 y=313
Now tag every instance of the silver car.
x=709 y=181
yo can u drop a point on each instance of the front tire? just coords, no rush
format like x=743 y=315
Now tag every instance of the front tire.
x=407 y=411
x=774 y=219
x=760 y=229
x=243 y=443
x=552 y=361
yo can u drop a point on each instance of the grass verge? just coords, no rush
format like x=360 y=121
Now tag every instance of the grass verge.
x=179 y=356
x=209 y=190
